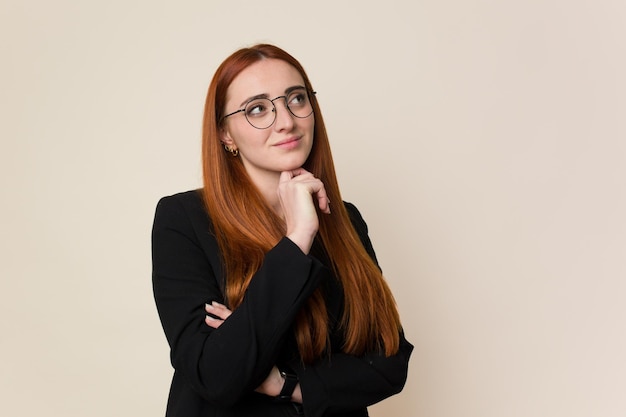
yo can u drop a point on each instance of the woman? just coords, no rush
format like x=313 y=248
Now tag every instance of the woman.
x=271 y=303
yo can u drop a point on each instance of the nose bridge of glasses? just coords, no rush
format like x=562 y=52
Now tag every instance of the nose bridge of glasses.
x=284 y=102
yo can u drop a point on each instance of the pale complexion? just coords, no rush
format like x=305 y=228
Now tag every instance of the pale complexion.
x=273 y=159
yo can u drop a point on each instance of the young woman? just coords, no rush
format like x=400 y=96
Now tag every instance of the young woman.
x=266 y=283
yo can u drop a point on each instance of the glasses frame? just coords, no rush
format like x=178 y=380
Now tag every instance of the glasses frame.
x=309 y=94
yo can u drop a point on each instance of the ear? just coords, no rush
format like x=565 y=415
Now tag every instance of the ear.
x=226 y=139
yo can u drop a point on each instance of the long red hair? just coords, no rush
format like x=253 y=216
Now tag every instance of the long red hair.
x=246 y=228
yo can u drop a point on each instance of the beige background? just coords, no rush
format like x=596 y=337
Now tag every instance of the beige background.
x=484 y=141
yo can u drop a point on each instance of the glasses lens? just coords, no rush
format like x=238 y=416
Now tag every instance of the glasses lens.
x=260 y=113
x=299 y=104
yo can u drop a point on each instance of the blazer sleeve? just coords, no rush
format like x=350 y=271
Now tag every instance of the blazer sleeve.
x=346 y=382
x=223 y=364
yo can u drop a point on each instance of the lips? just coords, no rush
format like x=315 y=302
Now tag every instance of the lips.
x=288 y=141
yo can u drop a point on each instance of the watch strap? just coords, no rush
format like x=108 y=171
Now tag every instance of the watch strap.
x=291 y=380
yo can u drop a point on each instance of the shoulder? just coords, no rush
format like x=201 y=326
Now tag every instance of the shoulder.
x=355 y=217
x=361 y=228
x=185 y=207
x=189 y=199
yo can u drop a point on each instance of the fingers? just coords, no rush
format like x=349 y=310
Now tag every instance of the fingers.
x=323 y=201
x=297 y=172
x=217 y=314
x=298 y=175
x=217 y=309
x=213 y=322
x=314 y=186
x=299 y=193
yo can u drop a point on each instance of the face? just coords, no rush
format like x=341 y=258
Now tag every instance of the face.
x=283 y=146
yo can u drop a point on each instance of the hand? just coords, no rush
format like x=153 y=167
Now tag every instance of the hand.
x=273 y=384
x=295 y=191
x=218 y=310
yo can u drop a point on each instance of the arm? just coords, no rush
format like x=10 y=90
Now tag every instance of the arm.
x=345 y=382
x=222 y=364
x=274 y=383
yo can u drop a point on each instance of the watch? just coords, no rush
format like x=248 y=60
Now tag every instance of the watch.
x=291 y=380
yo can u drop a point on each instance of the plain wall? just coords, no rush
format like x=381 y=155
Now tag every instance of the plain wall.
x=484 y=142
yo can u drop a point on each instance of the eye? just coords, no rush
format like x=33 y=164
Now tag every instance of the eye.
x=258 y=108
x=297 y=99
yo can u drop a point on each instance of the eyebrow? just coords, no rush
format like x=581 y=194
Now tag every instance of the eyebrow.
x=288 y=91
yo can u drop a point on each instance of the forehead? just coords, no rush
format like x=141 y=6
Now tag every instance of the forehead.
x=268 y=76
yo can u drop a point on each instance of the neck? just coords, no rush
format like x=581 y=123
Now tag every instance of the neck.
x=267 y=183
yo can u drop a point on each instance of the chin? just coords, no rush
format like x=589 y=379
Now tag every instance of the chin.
x=289 y=167
x=294 y=163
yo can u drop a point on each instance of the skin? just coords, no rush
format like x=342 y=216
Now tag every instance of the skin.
x=273 y=159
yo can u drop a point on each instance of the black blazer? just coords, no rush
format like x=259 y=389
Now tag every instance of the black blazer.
x=217 y=370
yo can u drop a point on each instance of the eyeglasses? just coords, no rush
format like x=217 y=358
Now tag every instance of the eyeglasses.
x=261 y=112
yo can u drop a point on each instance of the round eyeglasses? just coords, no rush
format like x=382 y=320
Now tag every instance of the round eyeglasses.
x=260 y=112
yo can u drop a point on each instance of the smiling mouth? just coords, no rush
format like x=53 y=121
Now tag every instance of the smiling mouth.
x=288 y=141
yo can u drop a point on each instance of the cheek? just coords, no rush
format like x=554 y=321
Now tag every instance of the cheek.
x=311 y=125
x=249 y=138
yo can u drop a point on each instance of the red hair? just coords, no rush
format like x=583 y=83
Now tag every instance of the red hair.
x=246 y=228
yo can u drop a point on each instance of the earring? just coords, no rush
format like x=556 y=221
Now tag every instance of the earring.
x=232 y=150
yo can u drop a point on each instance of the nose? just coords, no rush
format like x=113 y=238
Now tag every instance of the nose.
x=284 y=118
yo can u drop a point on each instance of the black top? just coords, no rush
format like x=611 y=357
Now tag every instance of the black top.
x=217 y=370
